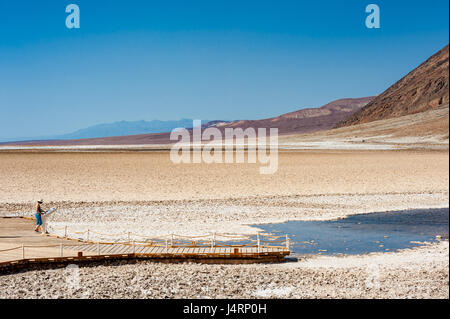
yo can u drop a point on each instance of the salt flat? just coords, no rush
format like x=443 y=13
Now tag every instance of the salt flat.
x=146 y=193
x=142 y=176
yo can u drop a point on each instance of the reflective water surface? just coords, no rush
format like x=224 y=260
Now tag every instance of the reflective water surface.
x=365 y=233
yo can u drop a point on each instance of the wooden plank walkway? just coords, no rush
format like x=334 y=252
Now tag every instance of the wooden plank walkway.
x=15 y=232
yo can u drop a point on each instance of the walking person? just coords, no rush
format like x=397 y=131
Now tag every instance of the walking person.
x=38 y=215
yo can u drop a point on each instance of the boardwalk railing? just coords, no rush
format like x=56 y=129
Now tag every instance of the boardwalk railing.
x=25 y=249
x=259 y=240
x=90 y=245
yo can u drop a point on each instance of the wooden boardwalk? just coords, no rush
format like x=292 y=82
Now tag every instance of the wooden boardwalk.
x=20 y=245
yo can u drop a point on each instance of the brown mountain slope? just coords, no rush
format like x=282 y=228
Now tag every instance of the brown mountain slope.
x=424 y=88
x=307 y=120
x=427 y=129
x=298 y=122
x=342 y=105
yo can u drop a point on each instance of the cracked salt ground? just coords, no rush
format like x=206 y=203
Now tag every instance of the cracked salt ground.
x=421 y=272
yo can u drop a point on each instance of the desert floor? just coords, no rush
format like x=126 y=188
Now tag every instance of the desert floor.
x=146 y=193
x=148 y=176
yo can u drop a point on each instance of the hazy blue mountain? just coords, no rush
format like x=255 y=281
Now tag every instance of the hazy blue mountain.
x=121 y=128
x=127 y=128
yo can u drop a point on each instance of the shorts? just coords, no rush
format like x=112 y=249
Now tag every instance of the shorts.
x=38 y=219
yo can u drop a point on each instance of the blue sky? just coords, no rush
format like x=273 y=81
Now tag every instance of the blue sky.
x=134 y=60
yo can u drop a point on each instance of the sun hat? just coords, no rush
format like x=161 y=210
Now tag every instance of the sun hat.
x=40 y=201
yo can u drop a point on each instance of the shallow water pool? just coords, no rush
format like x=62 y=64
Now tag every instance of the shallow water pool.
x=365 y=233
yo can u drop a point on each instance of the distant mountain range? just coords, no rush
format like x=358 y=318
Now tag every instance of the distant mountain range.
x=127 y=128
x=120 y=128
x=158 y=132
x=425 y=89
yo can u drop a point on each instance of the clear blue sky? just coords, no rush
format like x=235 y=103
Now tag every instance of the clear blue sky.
x=134 y=60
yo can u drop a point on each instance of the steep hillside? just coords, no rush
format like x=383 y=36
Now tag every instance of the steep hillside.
x=424 y=88
x=425 y=130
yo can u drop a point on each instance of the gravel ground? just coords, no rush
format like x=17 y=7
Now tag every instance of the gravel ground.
x=421 y=272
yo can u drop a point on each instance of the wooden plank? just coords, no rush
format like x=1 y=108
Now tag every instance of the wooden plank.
x=129 y=249
x=112 y=250
x=124 y=249
x=140 y=249
x=118 y=249
x=157 y=250
x=107 y=249
x=89 y=248
x=85 y=247
x=178 y=250
x=147 y=250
